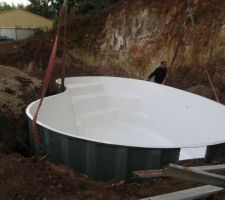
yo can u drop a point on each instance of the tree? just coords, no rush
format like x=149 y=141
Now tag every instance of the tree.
x=89 y=5
x=4 y=6
x=50 y=8
x=20 y=6
x=42 y=7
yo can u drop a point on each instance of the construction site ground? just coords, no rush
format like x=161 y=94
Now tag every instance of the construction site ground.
x=25 y=177
x=38 y=178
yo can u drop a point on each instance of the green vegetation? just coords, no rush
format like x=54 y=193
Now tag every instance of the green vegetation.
x=50 y=8
x=4 y=6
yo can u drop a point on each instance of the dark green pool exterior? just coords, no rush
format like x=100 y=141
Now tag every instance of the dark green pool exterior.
x=215 y=151
x=102 y=161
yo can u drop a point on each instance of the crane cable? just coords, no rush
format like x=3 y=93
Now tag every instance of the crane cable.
x=189 y=14
x=190 y=10
x=211 y=84
x=61 y=21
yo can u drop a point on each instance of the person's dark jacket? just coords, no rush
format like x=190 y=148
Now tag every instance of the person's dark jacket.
x=159 y=73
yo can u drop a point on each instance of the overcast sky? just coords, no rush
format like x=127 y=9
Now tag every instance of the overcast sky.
x=25 y=2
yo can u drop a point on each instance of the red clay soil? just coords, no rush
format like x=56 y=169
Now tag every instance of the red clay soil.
x=83 y=32
x=20 y=53
x=37 y=178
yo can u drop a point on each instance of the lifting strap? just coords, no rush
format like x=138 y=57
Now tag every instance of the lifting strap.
x=48 y=75
x=211 y=84
x=63 y=69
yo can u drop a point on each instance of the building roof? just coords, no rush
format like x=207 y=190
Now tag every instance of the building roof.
x=23 y=18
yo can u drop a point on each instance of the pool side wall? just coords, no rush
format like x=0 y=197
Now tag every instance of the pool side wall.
x=102 y=161
x=215 y=151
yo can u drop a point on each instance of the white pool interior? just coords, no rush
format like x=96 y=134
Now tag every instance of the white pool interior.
x=134 y=113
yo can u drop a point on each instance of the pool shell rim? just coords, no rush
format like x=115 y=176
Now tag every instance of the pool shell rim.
x=108 y=143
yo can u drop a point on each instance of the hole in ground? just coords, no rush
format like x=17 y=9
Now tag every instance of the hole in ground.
x=14 y=134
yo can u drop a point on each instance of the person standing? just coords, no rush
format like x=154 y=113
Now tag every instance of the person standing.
x=159 y=74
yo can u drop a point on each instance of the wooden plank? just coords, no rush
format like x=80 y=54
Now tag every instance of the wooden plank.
x=195 y=175
x=210 y=168
x=146 y=174
x=189 y=194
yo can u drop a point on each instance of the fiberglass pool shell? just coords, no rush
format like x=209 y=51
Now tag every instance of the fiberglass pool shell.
x=108 y=127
